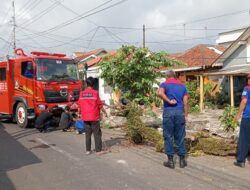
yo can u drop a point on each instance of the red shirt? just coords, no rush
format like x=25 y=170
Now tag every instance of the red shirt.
x=90 y=104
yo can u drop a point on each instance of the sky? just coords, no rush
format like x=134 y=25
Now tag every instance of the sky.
x=67 y=26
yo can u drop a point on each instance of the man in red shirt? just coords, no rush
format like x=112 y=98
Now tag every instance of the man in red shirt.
x=90 y=106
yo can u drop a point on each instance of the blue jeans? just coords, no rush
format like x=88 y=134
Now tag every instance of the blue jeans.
x=244 y=140
x=46 y=125
x=174 y=129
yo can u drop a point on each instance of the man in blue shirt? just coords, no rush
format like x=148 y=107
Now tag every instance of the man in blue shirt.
x=244 y=138
x=175 y=97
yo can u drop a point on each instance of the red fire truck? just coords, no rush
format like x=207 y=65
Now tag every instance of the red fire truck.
x=31 y=84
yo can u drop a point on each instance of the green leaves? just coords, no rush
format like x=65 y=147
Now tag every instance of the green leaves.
x=228 y=119
x=134 y=71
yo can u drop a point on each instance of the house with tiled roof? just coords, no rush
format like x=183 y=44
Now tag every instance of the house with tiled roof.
x=197 y=59
x=229 y=67
x=91 y=59
x=234 y=62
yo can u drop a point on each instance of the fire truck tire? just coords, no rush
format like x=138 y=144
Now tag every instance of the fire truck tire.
x=21 y=115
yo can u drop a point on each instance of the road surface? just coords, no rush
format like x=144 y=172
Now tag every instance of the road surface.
x=30 y=160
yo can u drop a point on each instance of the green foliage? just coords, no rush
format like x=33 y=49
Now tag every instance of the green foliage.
x=134 y=71
x=150 y=113
x=227 y=119
x=193 y=96
x=81 y=75
x=137 y=131
x=221 y=99
x=210 y=101
x=205 y=144
x=107 y=126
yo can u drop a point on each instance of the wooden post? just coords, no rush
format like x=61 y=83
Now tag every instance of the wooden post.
x=232 y=90
x=201 y=94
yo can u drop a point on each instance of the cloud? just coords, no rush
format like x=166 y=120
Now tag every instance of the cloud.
x=155 y=18
x=168 y=16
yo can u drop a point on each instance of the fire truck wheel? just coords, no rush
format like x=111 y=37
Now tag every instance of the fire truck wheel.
x=21 y=115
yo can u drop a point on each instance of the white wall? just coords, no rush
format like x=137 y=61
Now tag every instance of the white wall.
x=228 y=37
x=248 y=50
x=105 y=96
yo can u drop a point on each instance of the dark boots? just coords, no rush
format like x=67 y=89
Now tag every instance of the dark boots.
x=183 y=162
x=170 y=162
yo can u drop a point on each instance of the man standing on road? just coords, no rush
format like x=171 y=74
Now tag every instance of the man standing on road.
x=244 y=139
x=90 y=106
x=175 y=97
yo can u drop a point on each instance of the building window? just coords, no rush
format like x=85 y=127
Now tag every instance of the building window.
x=2 y=74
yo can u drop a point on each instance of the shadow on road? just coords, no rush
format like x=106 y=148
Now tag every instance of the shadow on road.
x=13 y=155
x=113 y=142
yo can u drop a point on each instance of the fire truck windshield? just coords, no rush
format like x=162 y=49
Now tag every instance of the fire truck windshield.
x=56 y=70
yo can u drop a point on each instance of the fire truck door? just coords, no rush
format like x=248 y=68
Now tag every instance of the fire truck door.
x=4 y=91
x=25 y=81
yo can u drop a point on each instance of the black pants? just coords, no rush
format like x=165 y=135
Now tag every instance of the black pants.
x=93 y=127
x=67 y=125
x=244 y=140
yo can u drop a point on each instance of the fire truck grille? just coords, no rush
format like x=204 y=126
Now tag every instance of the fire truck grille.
x=53 y=96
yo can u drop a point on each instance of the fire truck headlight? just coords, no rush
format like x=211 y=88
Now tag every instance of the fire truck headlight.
x=41 y=107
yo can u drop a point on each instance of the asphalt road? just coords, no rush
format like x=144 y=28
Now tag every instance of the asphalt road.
x=30 y=160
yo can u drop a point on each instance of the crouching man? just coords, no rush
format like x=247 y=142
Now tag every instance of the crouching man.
x=43 y=121
x=66 y=120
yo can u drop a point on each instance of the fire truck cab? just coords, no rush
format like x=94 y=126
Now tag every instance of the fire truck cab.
x=31 y=84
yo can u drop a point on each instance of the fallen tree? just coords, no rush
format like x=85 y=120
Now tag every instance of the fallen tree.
x=198 y=144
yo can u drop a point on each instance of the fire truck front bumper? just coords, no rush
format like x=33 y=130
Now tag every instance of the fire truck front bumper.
x=31 y=114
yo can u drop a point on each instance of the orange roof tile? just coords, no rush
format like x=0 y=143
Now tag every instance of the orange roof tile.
x=95 y=61
x=83 y=55
x=199 y=55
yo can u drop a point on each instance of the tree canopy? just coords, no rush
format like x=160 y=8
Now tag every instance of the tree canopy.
x=134 y=71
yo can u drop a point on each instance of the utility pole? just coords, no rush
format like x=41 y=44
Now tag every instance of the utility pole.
x=144 y=41
x=205 y=28
x=14 y=27
x=184 y=29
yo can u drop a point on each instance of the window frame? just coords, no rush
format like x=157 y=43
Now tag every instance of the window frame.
x=4 y=70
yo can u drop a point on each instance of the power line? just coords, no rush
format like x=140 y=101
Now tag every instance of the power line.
x=6 y=16
x=45 y=36
x=92 y=37
x=29 y=7
x=185 y=23
x=72 y=20
x=106 y=30
x=41 y=14
x=14 y=27
x=205 y=19
x=75 y=39
x=82 y=17
x=187 y=39
x=47 y=31
x=36 y=42
x=24 y=7
x=5 y=40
